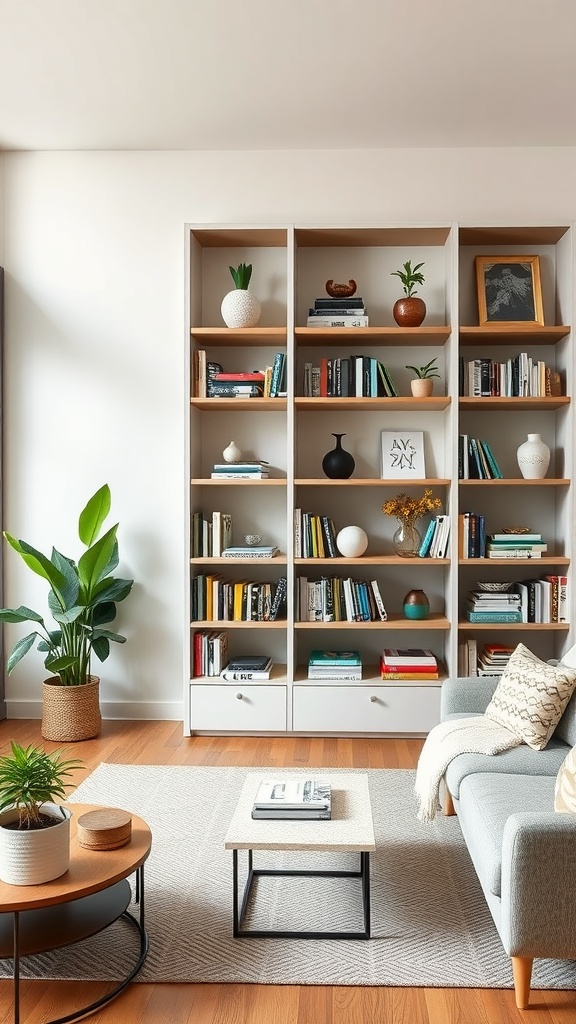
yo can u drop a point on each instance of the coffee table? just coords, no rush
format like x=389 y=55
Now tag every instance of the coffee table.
x=350 y=830
x=89 y=897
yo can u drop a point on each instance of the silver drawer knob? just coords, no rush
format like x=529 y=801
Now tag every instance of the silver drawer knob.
x=238 y=696
x=373 y=699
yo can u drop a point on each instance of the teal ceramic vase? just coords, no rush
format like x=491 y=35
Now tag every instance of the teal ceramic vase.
x=416 y=605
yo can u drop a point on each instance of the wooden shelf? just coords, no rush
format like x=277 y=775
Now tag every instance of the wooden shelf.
x=517 y=481
x=202 y=481
x=540 y=626
x=275 y=560
x=370 y=676
x=372 y=335
x=228 y=337
x=239 y=404
x=277 y=675
x=396 y=620
x=514 y=404
x=500 y=334
x=511 y=562
x=404 y=404
x=233 y=624
x=370 y=482
x=370 y=560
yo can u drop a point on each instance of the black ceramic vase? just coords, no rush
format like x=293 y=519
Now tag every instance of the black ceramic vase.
x=338 y=464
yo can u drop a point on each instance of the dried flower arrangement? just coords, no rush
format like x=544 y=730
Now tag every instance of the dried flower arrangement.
x=408 y=509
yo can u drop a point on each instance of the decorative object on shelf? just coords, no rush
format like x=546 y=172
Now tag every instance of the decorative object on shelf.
x=105 y=828
x=533 y=458
x=232 y=453
x=253 y=539
x=423 y=385
x=338 y=464
x=407 y=539
x=34 y=830
x=82 y=599
x=240 y=308
x=409 y=312
x=352 y=541
x=341 y=291
x=509 y=290
x=495 y=588
x=416 y=605
x=516 y=529
x=402 y=455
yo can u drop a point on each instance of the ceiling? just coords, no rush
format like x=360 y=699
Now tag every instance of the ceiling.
x=286 y=74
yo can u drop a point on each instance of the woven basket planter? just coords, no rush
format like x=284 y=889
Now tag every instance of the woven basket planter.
x=34 y=856
x=70 y=713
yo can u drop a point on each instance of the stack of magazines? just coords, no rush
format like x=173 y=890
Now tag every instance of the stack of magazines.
x=301 y=799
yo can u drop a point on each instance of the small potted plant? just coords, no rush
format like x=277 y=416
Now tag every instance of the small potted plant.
x=240 y=308
x=82 y=601
x=34 y=829
x=410 y=311
x=423 y=385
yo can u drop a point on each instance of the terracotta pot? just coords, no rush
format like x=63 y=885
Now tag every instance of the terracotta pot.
x=409 y=312
x=422 y=387
x=71 y=713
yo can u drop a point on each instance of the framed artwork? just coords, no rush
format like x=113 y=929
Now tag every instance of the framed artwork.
x=402 y=455
x=509 y=290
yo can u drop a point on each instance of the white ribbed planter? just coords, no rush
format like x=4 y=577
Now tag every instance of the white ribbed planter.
x=240 y=308
x=30 y=857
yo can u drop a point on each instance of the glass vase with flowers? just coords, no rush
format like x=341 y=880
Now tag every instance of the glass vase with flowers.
x=407 y=510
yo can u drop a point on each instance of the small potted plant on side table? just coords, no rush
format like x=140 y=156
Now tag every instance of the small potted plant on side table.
x=423 y=385
x=410 y=311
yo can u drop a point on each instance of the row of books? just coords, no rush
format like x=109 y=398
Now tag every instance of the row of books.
x=334 y=599
x=296 y=799
x=436 y=538
x=354 y=376
x=343 y=665
x=210 y=380
x=209 y=652
x=415 y=663
x=314 y=536
x=490 y=661
x=518 y=377
x=344 y=312
x=215 y=599
x=540 y=600
x=476 y=460
x=474 y=543
x=211 y=535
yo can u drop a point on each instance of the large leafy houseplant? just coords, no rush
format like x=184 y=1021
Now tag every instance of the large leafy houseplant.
x=82 y=598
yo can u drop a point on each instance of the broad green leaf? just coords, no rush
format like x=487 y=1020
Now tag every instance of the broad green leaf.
x=94 y=562
x=93 y=515
x=38 y=562
x=21 y=614
x=19 y=650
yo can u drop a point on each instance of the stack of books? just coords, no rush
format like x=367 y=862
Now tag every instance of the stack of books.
x=488 y=607
x=298 y=799
x=436 y=539
x=335 y=665
x=515 y=545
x=493 y=659
x=209 y=652
x=240 y=470
x=347 y=312
x=236 y=385
x=261 y=551
x=408 y=663
x=248 y=668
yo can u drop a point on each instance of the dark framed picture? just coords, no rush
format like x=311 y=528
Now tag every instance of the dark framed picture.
x=509 y=290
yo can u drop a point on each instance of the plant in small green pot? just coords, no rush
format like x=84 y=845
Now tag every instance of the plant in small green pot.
x=410 y=311
x=240 y=308
x=423 y=385
x=82 y=600
x=34 y=829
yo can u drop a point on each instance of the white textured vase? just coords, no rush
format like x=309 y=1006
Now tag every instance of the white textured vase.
x=34 y=856
x=240 y=308
x=352 y=542
x=533 y=458
x=232 y=453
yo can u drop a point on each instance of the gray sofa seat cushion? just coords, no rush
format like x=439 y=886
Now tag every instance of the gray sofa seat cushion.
x=486 y=802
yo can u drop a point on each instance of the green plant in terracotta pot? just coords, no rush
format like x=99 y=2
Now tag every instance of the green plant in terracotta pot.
x=411 y=310
x=423 y=384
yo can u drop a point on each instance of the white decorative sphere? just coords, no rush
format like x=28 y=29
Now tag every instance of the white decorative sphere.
x=352 y=541
x=240 y=308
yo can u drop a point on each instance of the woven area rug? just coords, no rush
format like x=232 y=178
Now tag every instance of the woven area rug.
x=430 y=923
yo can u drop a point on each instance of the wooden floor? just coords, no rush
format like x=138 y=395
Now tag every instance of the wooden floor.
x=163 y=743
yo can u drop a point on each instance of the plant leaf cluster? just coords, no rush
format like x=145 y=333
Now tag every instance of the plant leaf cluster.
x=241 y=275
x=410 y=277
x=31 y=777
x=82 y=598
x=429 y=370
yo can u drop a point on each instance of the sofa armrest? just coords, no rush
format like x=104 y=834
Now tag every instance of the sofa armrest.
x=538 y=897
x=465 y=696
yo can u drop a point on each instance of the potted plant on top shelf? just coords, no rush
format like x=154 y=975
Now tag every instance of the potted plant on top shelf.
x=423 y=385
x=240 y=308
x=34 y=829
x=82 y=600
x=410 y=311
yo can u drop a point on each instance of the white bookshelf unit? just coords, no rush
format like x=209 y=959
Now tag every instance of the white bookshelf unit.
x=291 y=265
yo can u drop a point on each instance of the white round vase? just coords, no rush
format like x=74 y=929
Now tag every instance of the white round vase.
x=34 y=856
x=533 y=458
x=352 y=542
x=232 y=453
x=240 y=308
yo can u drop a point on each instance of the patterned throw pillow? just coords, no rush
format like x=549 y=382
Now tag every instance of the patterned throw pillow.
x=565 y=791
x=531 y=697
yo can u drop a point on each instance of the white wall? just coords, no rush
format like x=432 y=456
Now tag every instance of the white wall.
x=94 y=387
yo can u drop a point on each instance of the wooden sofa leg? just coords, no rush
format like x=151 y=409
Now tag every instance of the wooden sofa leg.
x=448 y=804
x=522 y=969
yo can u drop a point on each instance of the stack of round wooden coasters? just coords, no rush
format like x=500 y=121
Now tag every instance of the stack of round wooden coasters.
x=105 y=828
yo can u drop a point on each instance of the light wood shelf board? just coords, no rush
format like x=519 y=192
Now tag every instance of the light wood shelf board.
x=540 y=626
x=502 y=334
x=511 y=562
x=514 y=404
x=277 y=560
x=420 y=336
x=370 y=560
x=224 y=238
x=233 y=624
x=517 y=481
x=239 y=404
x=396 y=620
x=519 y=234
x=370 y=482
x=370 y=236
x=209 y=482
x=238 y=336
x=403 y=404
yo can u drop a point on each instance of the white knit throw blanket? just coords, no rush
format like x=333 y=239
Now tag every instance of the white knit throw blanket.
x=477 y=735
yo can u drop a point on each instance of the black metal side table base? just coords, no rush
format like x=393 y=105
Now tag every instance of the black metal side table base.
x=239 y=910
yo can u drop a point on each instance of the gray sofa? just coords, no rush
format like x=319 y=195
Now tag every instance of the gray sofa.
x=522 y=849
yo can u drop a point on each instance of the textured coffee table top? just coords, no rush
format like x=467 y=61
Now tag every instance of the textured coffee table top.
x=349 y=829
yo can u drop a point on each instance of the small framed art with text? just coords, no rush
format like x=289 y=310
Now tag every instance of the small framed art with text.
x=402 y=455
x=509 y=290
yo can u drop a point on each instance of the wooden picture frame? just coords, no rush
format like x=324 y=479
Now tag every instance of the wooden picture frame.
x=402 y=455
x=509 y=290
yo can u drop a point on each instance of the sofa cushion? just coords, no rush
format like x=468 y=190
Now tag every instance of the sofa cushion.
x=486 y=802
x=519 y=761
x=531 y=697
x=565 y=791
x=566 y=728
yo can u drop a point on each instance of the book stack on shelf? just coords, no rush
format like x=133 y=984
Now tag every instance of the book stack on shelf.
x=252 y=551
x=493 y=607
x=314 y=536
x=515 y=545
x=476 y=460
x=236 y=385
x=344 y=312
x=436 y=538
x=519 y=377
x=416 y=663
x=209 y=652
x=257 y=470
x=214 y=599
x=335 y=665
x=297 y=799
x=544 y=600
x=333 y=599
x=494 y=658
x=248 y=668
x=353 y=376
x=211 y=535
x=471 y=535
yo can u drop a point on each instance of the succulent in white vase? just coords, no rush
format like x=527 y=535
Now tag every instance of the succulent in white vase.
x=240 y=308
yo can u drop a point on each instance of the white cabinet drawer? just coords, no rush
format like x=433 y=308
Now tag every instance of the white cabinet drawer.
x=366 y=708
x=238 y=707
